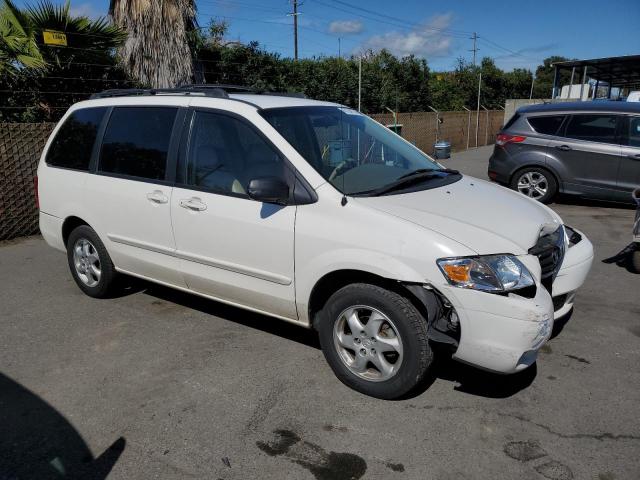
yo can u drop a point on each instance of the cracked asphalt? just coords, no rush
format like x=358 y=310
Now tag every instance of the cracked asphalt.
x=161 y=384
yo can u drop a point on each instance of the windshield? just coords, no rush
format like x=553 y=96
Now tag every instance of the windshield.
x=350 y=150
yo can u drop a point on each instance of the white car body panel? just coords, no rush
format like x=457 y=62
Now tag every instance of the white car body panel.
x=268 y=259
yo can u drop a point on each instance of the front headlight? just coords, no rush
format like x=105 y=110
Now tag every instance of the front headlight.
x=489 y=273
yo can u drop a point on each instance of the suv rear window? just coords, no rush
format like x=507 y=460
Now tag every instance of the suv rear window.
x=136 y=141
x=547 y=125
x=511 y=121
x=73 y=144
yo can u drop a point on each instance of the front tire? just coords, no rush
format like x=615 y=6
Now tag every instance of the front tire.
x=536 y=183
x=375 y=340
x=89 y=262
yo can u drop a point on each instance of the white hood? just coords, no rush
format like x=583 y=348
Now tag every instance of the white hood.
x=483 y=216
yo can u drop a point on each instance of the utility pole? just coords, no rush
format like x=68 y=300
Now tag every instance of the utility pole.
x=475 y=48
x=478 y=109
x=295 y=29
x=339 y=48
x=359 y=85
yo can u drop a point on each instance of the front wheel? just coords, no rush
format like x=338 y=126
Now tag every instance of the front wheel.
x=536 y=183
x=375 y=340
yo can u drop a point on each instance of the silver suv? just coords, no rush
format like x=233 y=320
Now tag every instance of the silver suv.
x=591 y=149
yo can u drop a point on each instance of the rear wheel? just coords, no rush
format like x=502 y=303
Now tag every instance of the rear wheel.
x=535 y=182
x=635 y=261
x=375 y=340
x=89 y=262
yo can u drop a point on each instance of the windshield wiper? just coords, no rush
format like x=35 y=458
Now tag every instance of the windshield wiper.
x=412 y=177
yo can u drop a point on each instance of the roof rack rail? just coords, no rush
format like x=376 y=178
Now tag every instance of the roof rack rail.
x=229 y=88
x=183 y=90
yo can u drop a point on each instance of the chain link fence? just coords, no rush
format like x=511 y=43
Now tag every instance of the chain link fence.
x=22 y=143
x=20 y=148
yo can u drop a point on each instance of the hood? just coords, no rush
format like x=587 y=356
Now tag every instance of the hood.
x=480 y=215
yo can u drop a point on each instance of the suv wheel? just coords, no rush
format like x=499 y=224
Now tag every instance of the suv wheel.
x=536 y=183
x=375 y=340
x=89 y=262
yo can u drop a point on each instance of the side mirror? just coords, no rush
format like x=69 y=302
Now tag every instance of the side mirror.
x=269 y=190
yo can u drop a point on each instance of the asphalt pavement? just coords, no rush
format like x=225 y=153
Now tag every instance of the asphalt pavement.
x=162 y=384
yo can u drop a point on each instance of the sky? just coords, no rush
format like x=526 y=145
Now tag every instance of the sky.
x=516 y=33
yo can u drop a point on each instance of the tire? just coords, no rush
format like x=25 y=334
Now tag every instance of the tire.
x=543 y=184
x=90 y=264
x=634 y=260
x=392 y=324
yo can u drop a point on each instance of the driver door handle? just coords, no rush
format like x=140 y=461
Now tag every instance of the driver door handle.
x=193 y=204
x=564 y=148
x=157 y=197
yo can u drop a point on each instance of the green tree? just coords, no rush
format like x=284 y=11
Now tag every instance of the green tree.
x=543 y=84
x=18 y=46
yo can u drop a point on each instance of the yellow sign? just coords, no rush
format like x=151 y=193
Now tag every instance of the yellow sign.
x=53 y=37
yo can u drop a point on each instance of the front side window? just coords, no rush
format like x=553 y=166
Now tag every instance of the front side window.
x=593 y=127
x=632 y=129
x=225 y=154
x=136 y=142
x=547 y=125
x=74 y=141
x=350 y=150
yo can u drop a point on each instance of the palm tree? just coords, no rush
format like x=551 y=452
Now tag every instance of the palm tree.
x=156 y=52
x=18 y=45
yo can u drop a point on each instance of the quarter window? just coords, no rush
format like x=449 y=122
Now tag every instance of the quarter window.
x=73 y=144
x=225 y=154
x=593 y=127
x=547 y=125
x=136 y=141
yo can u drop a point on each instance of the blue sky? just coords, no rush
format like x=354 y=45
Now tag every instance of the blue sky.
x=515 y=33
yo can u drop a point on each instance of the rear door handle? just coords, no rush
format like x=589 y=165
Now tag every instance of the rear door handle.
x=193 y=204
x=634 y=157
x=564 y=148
x=157 y=197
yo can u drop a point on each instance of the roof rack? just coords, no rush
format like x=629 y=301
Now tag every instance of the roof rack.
x=242 y=89
x=207 y=91
x=204 y=89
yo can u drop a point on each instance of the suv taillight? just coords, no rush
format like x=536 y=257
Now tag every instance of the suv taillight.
x=503 y=138
x=35 y=188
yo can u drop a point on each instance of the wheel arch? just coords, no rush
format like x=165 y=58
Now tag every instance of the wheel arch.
x=333 y=281
x=70 y=223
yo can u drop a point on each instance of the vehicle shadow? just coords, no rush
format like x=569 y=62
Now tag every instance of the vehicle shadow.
x=37 y=442
x=250 y=319
x=471 y=380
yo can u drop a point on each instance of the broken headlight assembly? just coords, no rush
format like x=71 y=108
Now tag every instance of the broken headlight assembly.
x=487 y=273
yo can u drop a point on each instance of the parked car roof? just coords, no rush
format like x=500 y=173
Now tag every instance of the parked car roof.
x=591 y=106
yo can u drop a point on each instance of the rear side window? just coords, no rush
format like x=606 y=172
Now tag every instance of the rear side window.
x=136 y=141
x=547 y=125
x=592 y=127
x=73 y=144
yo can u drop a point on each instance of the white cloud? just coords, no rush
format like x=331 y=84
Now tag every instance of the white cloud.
x=427 y=40
x=346 y=27
x=85 y=10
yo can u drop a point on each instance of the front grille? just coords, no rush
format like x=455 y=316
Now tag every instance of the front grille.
x=550 y=252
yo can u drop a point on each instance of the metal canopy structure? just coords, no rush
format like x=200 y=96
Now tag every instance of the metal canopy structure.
x=621 y=72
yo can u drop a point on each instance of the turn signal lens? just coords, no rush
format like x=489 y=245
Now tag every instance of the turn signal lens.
x=457 y=273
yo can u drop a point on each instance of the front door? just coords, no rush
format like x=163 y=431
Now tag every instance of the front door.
x=629 y=172
x=231 y=247
x=589 y=153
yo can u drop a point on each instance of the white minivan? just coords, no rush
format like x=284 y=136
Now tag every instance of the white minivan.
x=313 y=213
